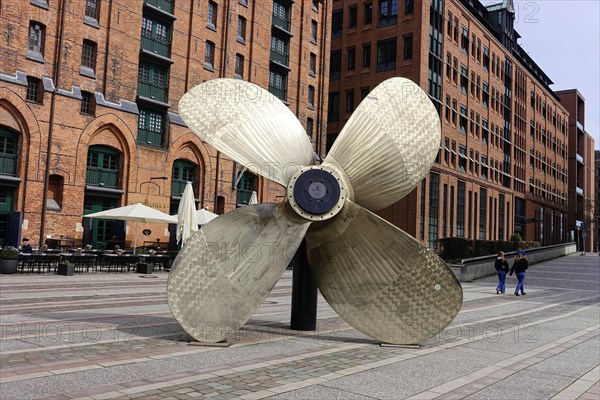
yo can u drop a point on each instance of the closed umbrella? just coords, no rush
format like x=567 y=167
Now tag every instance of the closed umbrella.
x=136 y=213
x=253 y=198
x=205 y=216
x=187 y=221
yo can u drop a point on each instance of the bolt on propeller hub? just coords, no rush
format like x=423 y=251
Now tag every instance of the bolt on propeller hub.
x=316 y=193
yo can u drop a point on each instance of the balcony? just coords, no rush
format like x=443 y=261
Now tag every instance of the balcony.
x=153 y=92
x=102 y=177
x=579 y=158
x=579 y=191
x=149 y=137
x=281 y=23
x=165 y=5
x=8 y=164
x=282 y=59
x=156 y=47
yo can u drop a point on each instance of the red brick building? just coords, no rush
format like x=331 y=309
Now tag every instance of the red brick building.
x=89 y=93
x=581 y=172
x=502 y=165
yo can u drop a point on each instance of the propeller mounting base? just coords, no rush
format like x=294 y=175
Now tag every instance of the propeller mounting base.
x=316 y=193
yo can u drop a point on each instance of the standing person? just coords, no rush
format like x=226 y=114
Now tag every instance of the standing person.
x=501 y=269
x=519 y=267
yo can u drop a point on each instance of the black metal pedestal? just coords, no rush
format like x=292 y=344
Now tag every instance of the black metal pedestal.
x=304 y=293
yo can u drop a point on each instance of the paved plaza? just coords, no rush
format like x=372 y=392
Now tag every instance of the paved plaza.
x=100 y=336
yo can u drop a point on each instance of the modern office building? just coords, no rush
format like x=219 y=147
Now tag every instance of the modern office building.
x=581 y=171
x=89 y=95
x=502 y=164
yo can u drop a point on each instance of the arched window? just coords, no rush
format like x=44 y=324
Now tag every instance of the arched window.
x=9 y=141
x=102 y=167
x=183 y=171
x=245 y=187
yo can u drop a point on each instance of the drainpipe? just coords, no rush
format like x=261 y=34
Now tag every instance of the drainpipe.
x=222 y=75
x=55 y=78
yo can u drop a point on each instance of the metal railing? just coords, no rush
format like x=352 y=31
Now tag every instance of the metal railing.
x=281 y=23
x=282 y=59
x=154 y=46
x=8 y=164
x=102 y=177
x=165 y=5
x=152 y=91
x=149 y=137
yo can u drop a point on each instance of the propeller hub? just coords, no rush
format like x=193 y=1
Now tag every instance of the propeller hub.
x=316 y=193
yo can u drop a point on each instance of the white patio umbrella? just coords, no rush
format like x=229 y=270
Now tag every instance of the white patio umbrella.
x=253 y=198
x=136 y=213
x=187 y=221
x=205 y=216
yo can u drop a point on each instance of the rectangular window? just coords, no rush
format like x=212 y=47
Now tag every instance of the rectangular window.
x=352 y=16
x=501 y=217
x=209 y=55
x=280 y=49
x=239 y=66
x=311 y=96
x=485 y=96
x=312 y=65
x=368 y=17
x=482 y=212
x=364 y=92
x=335 y=65
x=484 y=167
x=337 y=22
x=333 y=109
x=434 y=196
x=88 y=55
x=241 y=29
x=278 y=84
x=151 y=127
x=212 y=15
x=386 y=54
x=408 y=7
x=366 y=55
x=309 y=127
x=91 y=9
x=464 y=79
x=460 y=210
x=388 y=12
x=445 y=210
x=313 y=31
x=451 y=228
x=88 y=103
x=349 y=101
x=462 y=158
x=35 y=90
x=37 y=33
x=281 y=14
x=486 y=58
x=351 y=58
x=408 y=47
x=463 y=119
x=422 y=217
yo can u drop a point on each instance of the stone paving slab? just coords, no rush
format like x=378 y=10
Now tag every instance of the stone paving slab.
x=543 y=345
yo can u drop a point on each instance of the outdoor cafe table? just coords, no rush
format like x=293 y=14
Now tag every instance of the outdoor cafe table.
x=157 y=259
x=118 y=261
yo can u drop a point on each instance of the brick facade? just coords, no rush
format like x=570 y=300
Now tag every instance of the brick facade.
x=241 y=30
x=482 y=83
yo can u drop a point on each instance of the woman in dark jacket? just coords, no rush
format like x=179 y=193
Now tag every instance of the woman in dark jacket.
x=501 y=269
x=519 y=267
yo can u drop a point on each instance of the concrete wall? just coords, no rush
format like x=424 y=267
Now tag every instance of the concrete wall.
x=474 y=268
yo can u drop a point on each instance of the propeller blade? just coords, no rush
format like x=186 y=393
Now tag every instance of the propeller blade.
x=381 y=280
x=249 y=125
x=226 y=269
x=400 y=126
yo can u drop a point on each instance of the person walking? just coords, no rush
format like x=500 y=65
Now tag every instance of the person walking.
x=501 y=269
x=519 y=267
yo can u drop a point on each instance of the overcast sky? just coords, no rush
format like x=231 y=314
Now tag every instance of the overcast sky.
x=563 y=38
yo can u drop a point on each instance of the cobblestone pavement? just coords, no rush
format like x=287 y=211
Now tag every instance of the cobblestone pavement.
x=100 y=336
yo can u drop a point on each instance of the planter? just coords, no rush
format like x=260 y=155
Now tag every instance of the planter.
x=8 y=266
x=66 y=269
x=145 y=268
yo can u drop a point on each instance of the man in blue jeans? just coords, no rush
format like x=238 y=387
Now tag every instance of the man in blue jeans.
x=519 y=267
